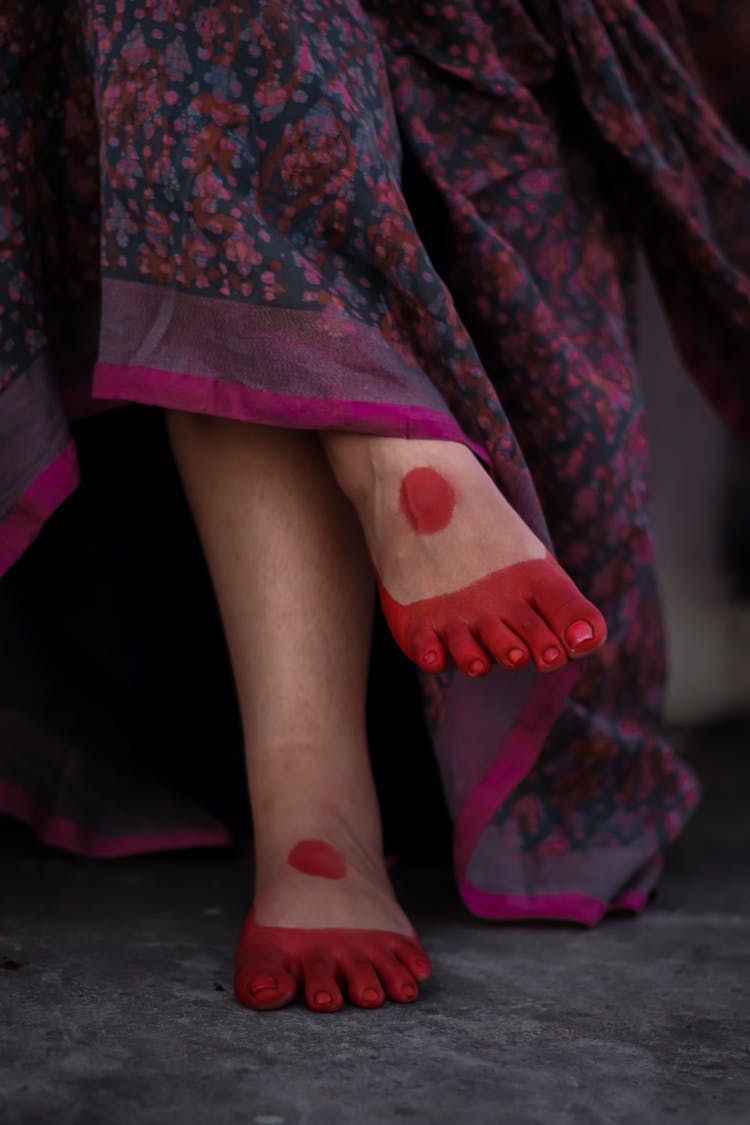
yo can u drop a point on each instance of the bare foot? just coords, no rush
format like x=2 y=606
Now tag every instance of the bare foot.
x=324 y=919
x=462 y=578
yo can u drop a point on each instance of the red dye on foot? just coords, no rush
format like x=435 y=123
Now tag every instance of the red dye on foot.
x=529 y=610
x=273 y=961
x=427 y=500
x=316 y=857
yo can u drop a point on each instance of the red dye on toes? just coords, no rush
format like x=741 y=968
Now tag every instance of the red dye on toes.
x=317 y=961
x=427 y=500
x=578 y=632
x=533 y=600
x=316 y=857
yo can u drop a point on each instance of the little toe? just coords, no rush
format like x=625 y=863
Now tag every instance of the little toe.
x=321 y=990
x=468 y=654
x=398 y=981
x=363 y=983
x=415 y=959
x=546 y=649
x=428 y=650
x=262 y=981
x=507 y=648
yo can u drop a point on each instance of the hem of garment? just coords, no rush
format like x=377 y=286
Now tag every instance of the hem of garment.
x=23 y=523
x=61 y=832
x=514 y=761
x=562 y=907
x=178 y=390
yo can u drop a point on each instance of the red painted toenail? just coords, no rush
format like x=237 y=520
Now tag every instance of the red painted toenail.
x=578 y=632
x=551 y=654
x=516 y=655
x=258 y=984
x=430 y=658
x=477 y=667
x=371 y=994
x=420 y=965
x=323 y=998
x=408 y=992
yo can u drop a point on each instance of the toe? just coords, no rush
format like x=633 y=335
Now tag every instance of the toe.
x=321 y=990
x=414 y=958
x=578 y=624
x=398 y=981
x=363 y=983
x=428 y=650
x=468 y=654
x=546 y=649
x=262 y=980
x=507 y=648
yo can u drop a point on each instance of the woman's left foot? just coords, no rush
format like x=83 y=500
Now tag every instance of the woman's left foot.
x=462 y=578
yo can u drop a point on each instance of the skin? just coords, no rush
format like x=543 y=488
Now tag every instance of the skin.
x=297 y=615
x=281 y=515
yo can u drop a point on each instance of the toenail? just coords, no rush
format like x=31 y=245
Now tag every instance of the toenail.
x=578 y=632
x=477 y=667
x=409 y=991
x=551 y=654
x=371 y=994
x=430 y=658
x=323 y=998
x=516 y=655
x=258 y=984
x=420 y=965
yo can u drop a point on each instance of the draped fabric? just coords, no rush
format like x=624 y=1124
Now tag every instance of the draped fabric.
x=417 y=220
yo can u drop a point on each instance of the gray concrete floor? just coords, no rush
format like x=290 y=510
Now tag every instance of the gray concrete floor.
x=117 y=1006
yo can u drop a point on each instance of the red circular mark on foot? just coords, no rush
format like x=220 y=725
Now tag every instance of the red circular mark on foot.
x=316 y=857
x=427 y=500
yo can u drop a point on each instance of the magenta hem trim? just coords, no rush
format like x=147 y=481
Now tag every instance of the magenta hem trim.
x=513 y=762
x=563 y=907
x=201 y=395
x=64 y=833
x=26 y=518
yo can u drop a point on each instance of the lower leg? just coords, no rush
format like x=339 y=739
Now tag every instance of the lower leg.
x=295 y=591
x=461 y=576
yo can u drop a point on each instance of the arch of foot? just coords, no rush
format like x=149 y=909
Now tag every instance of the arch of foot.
x=274 y=962
x=530 y=610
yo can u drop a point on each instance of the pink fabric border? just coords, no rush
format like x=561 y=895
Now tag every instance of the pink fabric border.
x=65 y=833
x=513 y=762
x=201 y=395
x=25 y=520
x=562 y=907
x=516 y=759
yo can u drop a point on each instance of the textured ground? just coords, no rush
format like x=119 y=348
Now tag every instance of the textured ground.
x=116 y=1001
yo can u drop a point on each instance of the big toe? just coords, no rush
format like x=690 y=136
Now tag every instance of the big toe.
x=578 y=623
x=262 y=981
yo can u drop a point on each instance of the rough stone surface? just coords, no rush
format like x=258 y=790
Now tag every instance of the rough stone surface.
x=116 y=998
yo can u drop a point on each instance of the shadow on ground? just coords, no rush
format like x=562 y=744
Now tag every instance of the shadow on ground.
x=117 y=1006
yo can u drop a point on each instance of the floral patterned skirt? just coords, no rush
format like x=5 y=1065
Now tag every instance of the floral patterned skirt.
x=417 y=220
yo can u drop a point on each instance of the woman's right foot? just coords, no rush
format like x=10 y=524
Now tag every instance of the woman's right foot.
x=462 y=578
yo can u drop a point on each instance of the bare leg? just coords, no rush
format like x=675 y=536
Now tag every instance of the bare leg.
x=462 y=579
x=295 y=590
